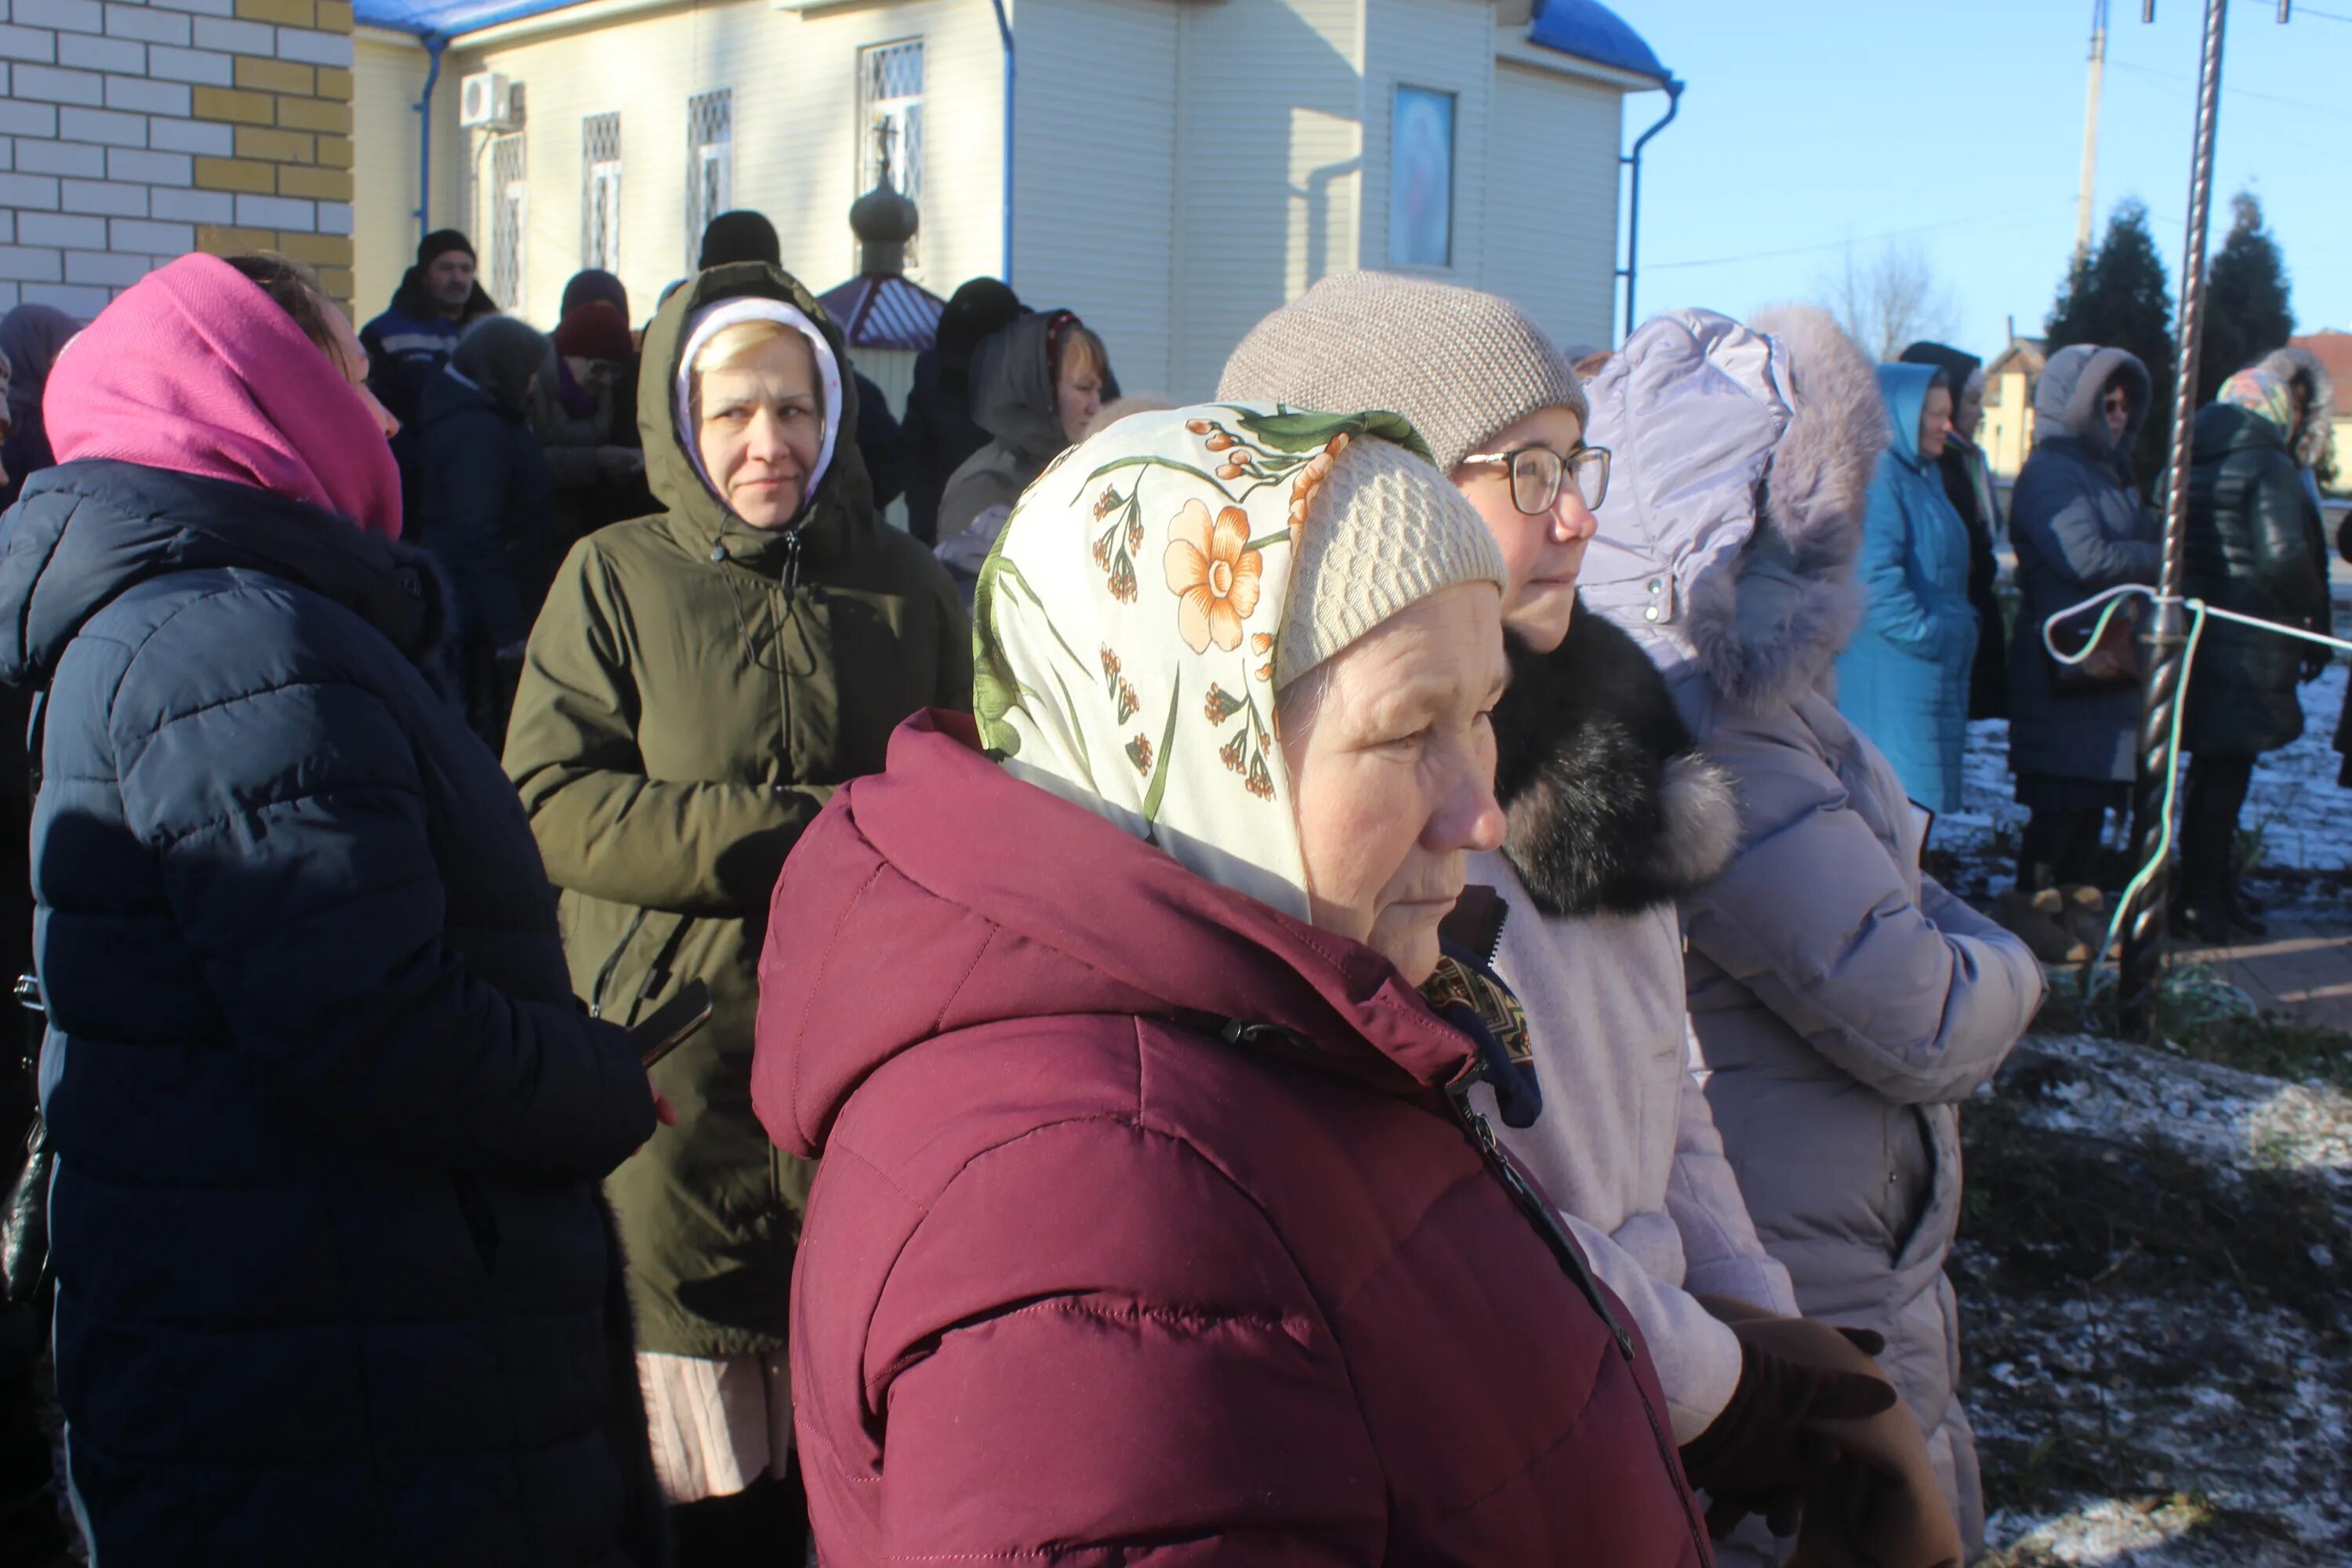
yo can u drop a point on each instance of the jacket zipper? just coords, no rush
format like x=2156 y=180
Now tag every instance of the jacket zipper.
x=604 y=976
x=1506 y=1169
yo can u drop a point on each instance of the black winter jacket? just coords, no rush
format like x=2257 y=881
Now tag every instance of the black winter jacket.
x=2255 y=546
x=335 y=1283
x=937 y=434
x=485 y=507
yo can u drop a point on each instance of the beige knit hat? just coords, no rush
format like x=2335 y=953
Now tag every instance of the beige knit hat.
x=1460 y=364
x=1385 y=532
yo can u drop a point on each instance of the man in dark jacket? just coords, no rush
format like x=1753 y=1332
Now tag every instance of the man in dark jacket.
x=745 y=235
x=434 y=303
x=485 y=504
x=1968 y=485
x=2254 y=546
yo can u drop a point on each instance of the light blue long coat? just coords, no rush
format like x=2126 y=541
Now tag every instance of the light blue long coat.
x=1904 y=678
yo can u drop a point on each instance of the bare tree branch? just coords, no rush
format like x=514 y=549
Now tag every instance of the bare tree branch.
x=1888 y=301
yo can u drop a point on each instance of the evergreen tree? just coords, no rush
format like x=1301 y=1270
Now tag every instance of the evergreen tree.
x=2247 y=313
x=2118 y=296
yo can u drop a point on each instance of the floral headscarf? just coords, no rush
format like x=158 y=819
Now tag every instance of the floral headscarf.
x=2261 y=393
x=1124 y=629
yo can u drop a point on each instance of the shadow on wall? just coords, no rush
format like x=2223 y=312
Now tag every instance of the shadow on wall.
x=1182 y=171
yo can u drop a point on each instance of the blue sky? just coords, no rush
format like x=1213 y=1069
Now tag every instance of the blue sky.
x=1959 y=130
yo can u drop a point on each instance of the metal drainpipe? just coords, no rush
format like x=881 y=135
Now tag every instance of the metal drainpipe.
x=434 y=45
x=1634 y=205
x=1004 y=36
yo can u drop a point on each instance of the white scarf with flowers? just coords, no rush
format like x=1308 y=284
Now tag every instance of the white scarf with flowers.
x=1124 y=629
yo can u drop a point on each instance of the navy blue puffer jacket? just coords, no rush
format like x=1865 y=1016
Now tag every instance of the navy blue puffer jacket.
x=335 y=1284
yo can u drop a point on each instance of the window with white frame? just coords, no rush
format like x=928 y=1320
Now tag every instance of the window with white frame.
x=600 y=191
x=709 y=163
x=509 y=193
x=891 y=119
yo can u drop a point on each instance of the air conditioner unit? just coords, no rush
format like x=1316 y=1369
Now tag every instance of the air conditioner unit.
x=486 y=100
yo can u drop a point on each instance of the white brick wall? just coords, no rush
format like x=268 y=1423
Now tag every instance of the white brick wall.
x=97 y=148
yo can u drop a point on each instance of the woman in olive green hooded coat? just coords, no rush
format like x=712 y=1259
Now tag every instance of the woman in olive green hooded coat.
x=696 y=688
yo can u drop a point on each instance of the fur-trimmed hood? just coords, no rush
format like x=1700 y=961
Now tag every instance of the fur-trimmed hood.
x=1611 y=808
x=2072 y=386
x=1742 y=456
x=2302 y=369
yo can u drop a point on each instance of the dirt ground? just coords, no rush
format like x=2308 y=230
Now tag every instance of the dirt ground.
x=2154 y=1268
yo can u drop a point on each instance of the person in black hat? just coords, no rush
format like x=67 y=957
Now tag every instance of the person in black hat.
x=429 y=311
x=437 y=299
x=939 y=432
x=746 y=236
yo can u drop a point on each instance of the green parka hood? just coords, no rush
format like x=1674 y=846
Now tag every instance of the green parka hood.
x=843 y=499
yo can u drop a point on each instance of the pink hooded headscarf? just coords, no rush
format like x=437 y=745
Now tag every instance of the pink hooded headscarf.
x=195 y=369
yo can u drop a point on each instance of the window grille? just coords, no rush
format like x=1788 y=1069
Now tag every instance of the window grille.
x=890 y=121
x=600 y=191
x=709 y=163
x=510 y=216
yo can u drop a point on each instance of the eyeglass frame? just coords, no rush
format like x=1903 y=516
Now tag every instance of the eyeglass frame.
x=1568 y=463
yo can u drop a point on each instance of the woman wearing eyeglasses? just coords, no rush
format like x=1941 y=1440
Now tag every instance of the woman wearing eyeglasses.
x=1612 y=817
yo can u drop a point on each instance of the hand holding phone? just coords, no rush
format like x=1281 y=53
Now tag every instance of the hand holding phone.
x=673 y=1023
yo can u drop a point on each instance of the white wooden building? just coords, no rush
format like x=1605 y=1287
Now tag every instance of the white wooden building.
x=1177 y=167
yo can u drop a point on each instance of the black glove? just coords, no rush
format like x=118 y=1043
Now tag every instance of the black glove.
x=1759 y=1457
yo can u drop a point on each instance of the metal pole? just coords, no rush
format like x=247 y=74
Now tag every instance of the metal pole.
x=2161 y=647
x=2090 y=178
x=434 y=44
x=1634 y=201
x=1004 y=36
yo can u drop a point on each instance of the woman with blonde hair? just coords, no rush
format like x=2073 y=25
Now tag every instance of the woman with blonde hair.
x=698 y=684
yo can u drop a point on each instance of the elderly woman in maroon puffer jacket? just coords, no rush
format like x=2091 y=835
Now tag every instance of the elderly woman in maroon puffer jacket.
x=1153 y=1223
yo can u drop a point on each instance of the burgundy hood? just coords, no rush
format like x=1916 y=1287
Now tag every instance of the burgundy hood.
x=943 y=894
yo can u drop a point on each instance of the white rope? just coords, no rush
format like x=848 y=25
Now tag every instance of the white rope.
x=2198 y=610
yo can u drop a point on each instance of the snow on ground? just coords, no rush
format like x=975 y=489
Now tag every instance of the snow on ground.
x=2156 y=1254
x=2152 y=1274
x=2302 y=817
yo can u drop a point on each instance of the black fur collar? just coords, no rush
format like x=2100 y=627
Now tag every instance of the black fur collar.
x=1611 y=808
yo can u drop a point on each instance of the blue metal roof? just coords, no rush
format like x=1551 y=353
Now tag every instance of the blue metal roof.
x=1584 y=28
x=885 y=313
x=1593 y=32
x=446 y=18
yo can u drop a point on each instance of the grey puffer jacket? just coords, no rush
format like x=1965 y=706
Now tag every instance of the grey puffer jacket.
x=1612 y=817
x=1842 y=1003
x=2079 y=527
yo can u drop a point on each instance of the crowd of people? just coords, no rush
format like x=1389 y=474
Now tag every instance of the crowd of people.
x=1342 y=974
x=1934 y=649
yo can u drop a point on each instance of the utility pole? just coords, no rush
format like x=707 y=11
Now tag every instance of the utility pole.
x=2091 y=131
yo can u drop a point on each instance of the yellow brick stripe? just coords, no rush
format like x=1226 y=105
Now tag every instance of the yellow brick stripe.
x=293 y=138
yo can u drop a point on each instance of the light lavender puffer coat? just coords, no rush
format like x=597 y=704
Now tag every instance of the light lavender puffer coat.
x=1844 y=1005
